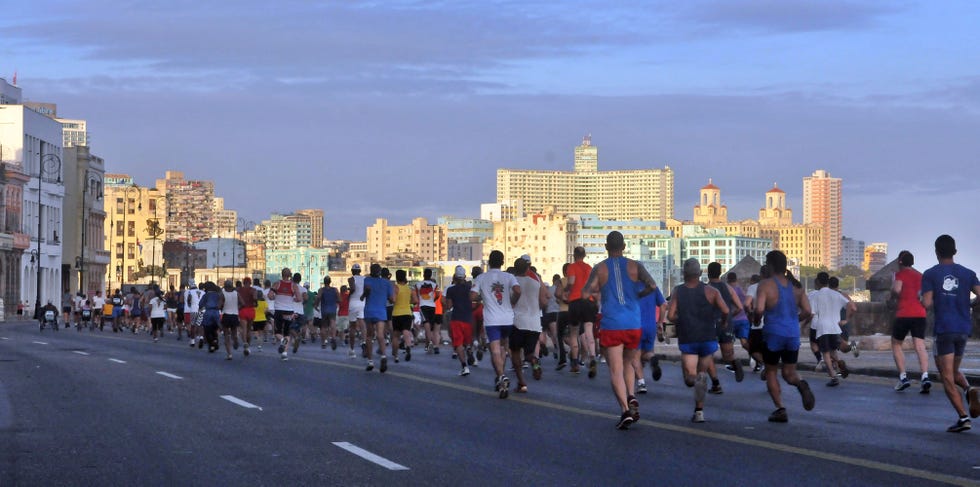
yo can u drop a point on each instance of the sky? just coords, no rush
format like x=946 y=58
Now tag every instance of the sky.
x=399 y=109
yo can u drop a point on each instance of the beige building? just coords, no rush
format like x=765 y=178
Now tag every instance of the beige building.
x=417 y=240
x=135 y=223
x=191 y=207
x=315 y=215
x=618 y=195
x=709 y=212
x=225 y=221
x=548 y=237
x=822 y=206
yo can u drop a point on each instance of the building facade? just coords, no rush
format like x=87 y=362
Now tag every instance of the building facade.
x=292 y=231
x=85 y=250
x=616 y=195
x=466 y=237
x=136 y=227
x=190 y=207
x=822 y=206
x=312 y=264
x=418 y=241
x=851 y=252
x=549 y=238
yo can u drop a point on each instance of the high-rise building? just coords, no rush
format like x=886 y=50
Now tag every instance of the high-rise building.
x=417 y=240
x=225 y=220
x=315 y=216
x=851 y=252
x=287 y=232
x=502 y=210
x=822 y=206
x=875 y=257
x=74 y=131
x=466 y=237
x=647 y=241
x=190 y=207
x=617 y=195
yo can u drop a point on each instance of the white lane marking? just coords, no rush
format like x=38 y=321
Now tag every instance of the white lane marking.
x=117 y=361
x=40 y=343
x=244 y=404
x=371 y=457
x=4 y=338
x=165 y=374
x=81 y=352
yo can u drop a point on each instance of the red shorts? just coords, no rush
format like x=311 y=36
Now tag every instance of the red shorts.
x=246 y=314
x=629 y=339
x=478 y=314
x=462 y=333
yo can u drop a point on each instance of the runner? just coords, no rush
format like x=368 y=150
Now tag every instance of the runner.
x=170 y=300
x=498 y=291
x=825 y=323
x=726 y=337
x=460 y=308
x=617 y=280
x=401 y=316
x=158 y=315
x=527 y=323
x=328 y=314
x=302 y=312
x=378 y=293
x=284 y=295
x=581 y=313
x=248 y=299
x=356 y=306
x=427 y=305
x=549 y=319
x=343 y=320
x=479 y=332
x=98 y=309
x=740 y=321
x=261 y=316
x=782 y=304
x=210 y=307
x=652 y=314
x=910 y=318
x=701 y=315
x=847 y=345
x=946 y=289
x=230 y=304
x=756 y=322
x=191 y=310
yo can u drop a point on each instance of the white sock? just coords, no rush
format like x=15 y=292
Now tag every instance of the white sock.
x=902 y=376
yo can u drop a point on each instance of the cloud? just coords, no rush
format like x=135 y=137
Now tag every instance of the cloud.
x=779 y=16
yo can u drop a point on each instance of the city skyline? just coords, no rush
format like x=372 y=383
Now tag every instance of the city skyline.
x=746 y=93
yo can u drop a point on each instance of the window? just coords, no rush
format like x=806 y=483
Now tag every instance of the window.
x=131 y=229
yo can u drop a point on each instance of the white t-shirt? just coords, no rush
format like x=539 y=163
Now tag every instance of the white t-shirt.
x=194 y=300
x=527 y=311
x=355 y=297
x=753 y=290
x=427 y=293
x=270 y=304
x=98 y=302
x=826 y=305
x=158 y=308
x=231 y=302
x=494 y=288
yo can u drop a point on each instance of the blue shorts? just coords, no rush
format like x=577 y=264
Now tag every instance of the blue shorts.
x=777 y=343
x=497 y=333
x=740 y=329
x=949 y=343
x=701 y=349
x=648 y=336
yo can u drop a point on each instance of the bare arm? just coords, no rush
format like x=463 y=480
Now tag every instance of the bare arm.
x=737 y=304
x=595 y=280
x=714 y=297
x=804 y=304
x=515 y=294
x=543 y=296
x=645 y=277
x=896 y=288
x=672 y=309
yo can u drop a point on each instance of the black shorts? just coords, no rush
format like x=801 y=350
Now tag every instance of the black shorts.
x=284 y=321
x=389 y=310
x=523 y=340
x=581 y=311
x=813 y=335
x=903 y=326
x=548 y=318
x=429 y=315
x=258 y=325
x=828 y=343
x=787 y=357
x=66 y=309
x=756 y=345
x=157 y=323
x=725 y=334
x=402 y=322
x=229 y=321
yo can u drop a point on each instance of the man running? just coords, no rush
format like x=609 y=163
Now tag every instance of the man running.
x=740 y=320
x=616 y=279
x=581 y=312
x=248 y=298
x=460 y=308
x=527 y=323
x=355 y=283
x=426 y=291
x=230 y=304
x=910 y=318
x=402 y=317
x=192 y=308
x=825 y=323
x=328 y=297
x=498 y=291
x=755 y=329
x=946 y=288
x=158 y=315
x=378 y=293
x=700 y=313
x=726 y=339
x=782 y=304
x=652 y=314
x=286 y=296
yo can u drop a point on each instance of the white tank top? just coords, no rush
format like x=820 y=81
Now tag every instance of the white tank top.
x=355 y=297
x=231 y=302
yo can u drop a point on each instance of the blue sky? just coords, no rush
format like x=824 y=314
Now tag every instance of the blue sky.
x=406 y=108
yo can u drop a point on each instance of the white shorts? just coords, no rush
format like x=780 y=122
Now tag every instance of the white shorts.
x=355 y=312
x=343 y=323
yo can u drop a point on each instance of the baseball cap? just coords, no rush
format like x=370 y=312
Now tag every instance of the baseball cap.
x=526 y=258
x=356 y=267
x=460 y=272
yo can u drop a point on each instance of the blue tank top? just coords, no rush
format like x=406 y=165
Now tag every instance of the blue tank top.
x=620 y=301
x=784 y=318
x=328 y=300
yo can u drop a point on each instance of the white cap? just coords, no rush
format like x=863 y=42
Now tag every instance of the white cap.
x=460 y=272
x=356 y=267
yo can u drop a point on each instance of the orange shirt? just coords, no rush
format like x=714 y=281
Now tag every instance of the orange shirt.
x=580 y=271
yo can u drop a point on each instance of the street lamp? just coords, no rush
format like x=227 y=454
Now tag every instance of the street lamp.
x=90 y=181
x=49 y=163
x=155 y=231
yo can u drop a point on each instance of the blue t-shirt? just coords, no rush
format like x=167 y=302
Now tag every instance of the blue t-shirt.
x=620 y=300
x=462 y=306
x=783 y=320
x=649 y=304
x=376 y=304
x=328 y=301
x=951 y=285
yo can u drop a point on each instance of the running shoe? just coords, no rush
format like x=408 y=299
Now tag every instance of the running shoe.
x=323 y=345
x=926 y=384
x=479 y=353
x=408 y=354
x=228 y=357
x=808 y=400
x=973 y=399
x=561 y=365
x=235 y=344
x=641 y=387
x=470 y=359
x=716 y=389
x=436 y=351
x=698 y=417
x=333 y=344
x=246 y=352
x=395 y=356
x=634 y=407
x=903 y=384
x=282 y=348
x=576 y=368
x=624 y=421
x=295 y=347
x=192 y=342
x=779 y=416
x=370 y=365
x=384 y=364
x=739 y=371
x=351 y=354
x=655 y=367
x=283 y=356
x=521 y=388
x=464 y=371
x=503 y=386
x=700 y=387
x=536 y=369
x=856 y=348
x=200 y=342
x=960 y=425
x=833 y=382
x=842 y=368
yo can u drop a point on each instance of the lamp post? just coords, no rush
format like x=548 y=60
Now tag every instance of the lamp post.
x=87 y=186
x=50 y=163
x=155 y=231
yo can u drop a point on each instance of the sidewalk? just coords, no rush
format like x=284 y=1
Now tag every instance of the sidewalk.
x=878 y=363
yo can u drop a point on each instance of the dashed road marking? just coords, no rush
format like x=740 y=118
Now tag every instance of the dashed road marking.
x=371 y=457
x=40 y=343
x=81 y=352
x=117 y=361
x=244 y=404
x=167 y=374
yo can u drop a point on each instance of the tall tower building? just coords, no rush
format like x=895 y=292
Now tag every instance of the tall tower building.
x=822 y=206
x=315 y=215
x=190 y=207
x=618 y=195
x=709 y=211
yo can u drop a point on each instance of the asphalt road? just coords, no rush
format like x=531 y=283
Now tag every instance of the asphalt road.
x=116 y=409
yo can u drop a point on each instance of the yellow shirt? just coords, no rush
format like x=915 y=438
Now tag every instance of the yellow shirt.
x=403 y=301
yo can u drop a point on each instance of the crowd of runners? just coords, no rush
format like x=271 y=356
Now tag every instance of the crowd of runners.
x=612 y=313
